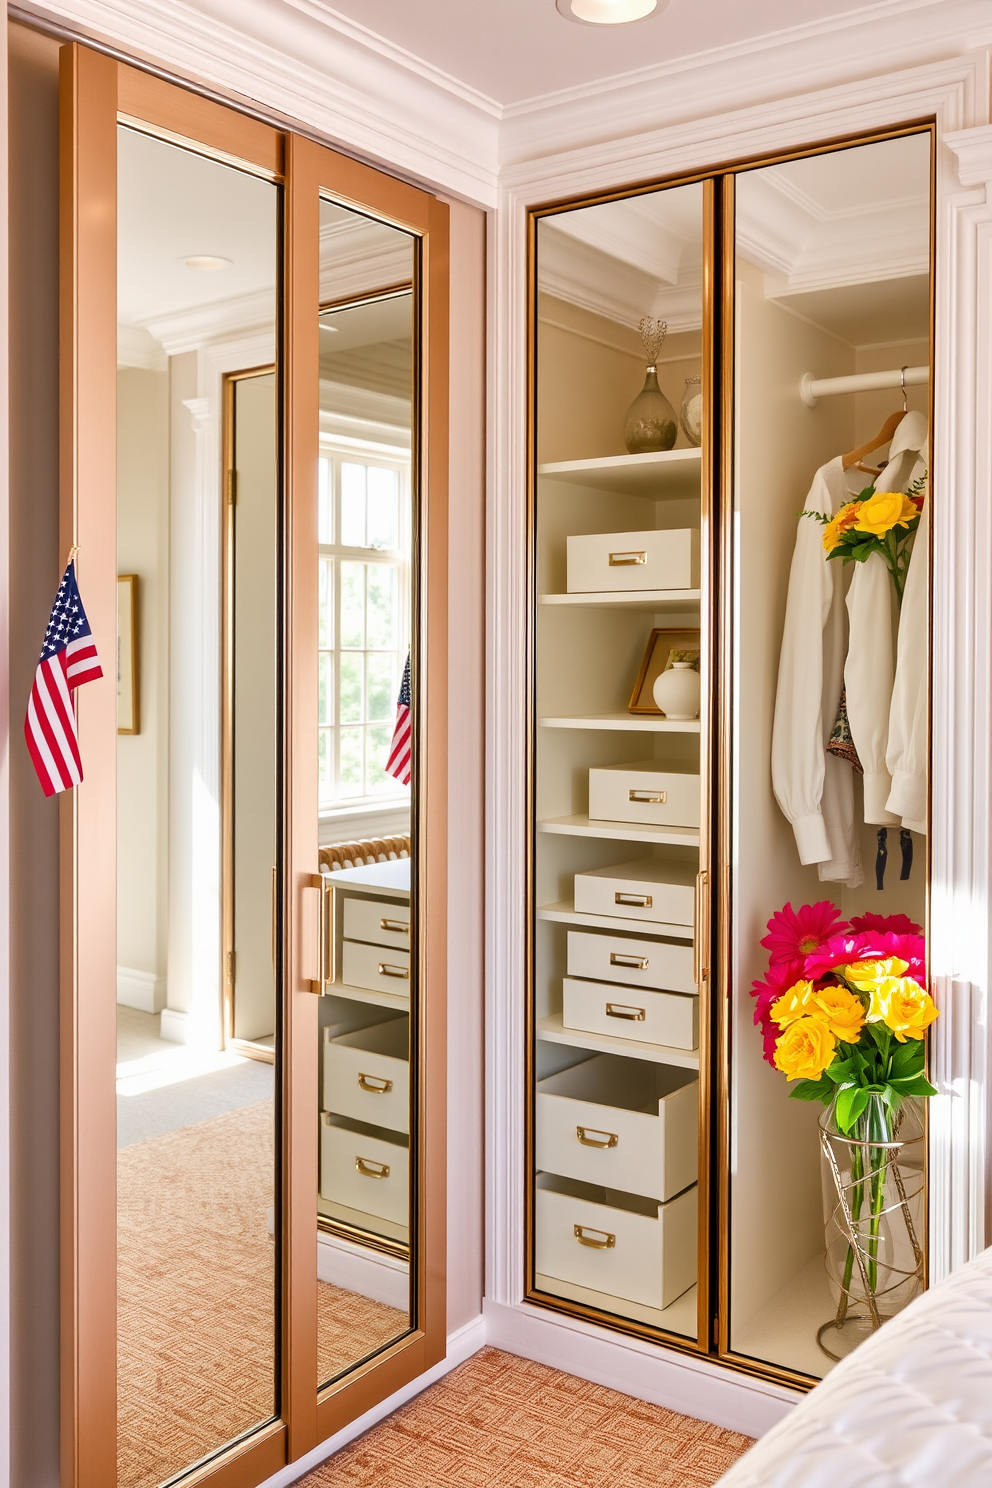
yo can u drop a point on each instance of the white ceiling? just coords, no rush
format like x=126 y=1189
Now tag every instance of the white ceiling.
x=512 y=50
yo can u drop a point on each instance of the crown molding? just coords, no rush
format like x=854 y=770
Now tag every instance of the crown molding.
x=973 y=149
x=297 y=60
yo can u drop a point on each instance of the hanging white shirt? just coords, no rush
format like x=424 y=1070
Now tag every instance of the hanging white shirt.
x=906 y=756
x=872 y=609
x=814 y=789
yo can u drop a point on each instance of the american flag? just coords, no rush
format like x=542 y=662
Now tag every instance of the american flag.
x=398 y=763
x=68 y=659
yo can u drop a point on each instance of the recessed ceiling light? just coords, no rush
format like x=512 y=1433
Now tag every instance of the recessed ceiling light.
x=608 y=12
x=207 y=261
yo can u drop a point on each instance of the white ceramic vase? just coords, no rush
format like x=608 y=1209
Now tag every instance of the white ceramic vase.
x=676 y=691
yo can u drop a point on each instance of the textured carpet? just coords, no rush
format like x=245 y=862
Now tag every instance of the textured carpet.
x=503 y=1422
x=196 y=1279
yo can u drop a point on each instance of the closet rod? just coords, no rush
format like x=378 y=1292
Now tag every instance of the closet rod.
x=811 y=388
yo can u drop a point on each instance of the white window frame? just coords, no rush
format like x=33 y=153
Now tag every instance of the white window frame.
x=338 y=449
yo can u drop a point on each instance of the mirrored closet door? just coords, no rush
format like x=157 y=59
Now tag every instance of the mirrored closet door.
x=253 y=1033
x=729 y=776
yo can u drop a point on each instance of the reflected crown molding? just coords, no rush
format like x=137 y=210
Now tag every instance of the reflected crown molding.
x=191 y=329
x=352 y=413
x=358 y=256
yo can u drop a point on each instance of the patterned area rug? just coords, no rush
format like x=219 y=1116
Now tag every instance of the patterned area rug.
x=503 y=1422
x=196 y=1278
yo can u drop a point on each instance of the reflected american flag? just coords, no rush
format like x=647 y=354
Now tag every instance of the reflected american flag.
x=398 y=763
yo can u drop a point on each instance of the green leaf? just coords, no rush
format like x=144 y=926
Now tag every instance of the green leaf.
x=851 y=1102
x=840 y=1071
x=812 y=1090
x=880 y=1034
x=913 y=1085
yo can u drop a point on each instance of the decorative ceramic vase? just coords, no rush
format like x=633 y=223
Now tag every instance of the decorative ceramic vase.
x=691 y=412
x=651 y=424
x=873 y=1205
x=676 y=691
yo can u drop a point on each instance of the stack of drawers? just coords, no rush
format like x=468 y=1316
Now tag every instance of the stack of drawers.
x=365 y=1120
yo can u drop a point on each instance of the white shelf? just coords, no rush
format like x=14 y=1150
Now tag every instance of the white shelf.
x=631 y=722
x=664 y=474
x=657 y=601
x=581 y=826
x=678 y=1317
x=553 y=1031
x=364 y=994
x=565 y=913
x=783 y=1331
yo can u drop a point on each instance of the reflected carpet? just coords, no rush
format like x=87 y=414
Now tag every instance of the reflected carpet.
x=503 y=1422
x=195 y=1278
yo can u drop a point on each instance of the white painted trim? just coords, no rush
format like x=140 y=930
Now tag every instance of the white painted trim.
x=462 y=1344
x=381 y=1278
x=174 y=1026
x=141 y=989
x=680 y=1382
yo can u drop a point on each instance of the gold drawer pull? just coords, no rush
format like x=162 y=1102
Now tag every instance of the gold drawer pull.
x=638 y=963
x=652 y=798
x=393 y=971
x=399 y=927
x=636 y=901
x=627 y=560
x=618 y=1010
x=595 y=1239
x=375 y=1084
x=370 y=1169
x=598 y=1139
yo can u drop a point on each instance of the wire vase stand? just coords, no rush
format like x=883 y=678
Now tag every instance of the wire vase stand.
x=873 y=1198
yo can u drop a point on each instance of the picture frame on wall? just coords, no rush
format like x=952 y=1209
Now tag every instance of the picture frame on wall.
x=128 y=713
x=661 y=643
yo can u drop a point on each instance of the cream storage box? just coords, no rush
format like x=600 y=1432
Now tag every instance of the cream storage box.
x=618 y=561
x=621 y=1122
x=646 y=792
x=635 y=963
x=367 y=1073
x=364 y=1172
x=647 y=889
x=667 y=1018
x=615 y=1244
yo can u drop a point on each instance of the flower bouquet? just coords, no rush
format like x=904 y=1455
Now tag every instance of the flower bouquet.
x=844 y=1011
x=881 y=522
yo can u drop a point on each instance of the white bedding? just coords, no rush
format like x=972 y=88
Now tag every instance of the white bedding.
x=911 y=1408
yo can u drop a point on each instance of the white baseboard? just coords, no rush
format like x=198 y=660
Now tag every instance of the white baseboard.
x=381 y=1278
x=462 y=1344
x=681 y=1382
x=175 y=1026
x=140 y=989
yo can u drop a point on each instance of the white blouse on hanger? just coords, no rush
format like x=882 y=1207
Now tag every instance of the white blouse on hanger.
x=906 y=756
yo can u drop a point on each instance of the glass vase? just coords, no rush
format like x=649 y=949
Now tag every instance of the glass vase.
x=651 y=423
x=691 y=412
x=873 y=1214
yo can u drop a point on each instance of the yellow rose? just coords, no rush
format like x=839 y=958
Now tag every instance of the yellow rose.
x=909 y=1010
x=877 y=978
x=841 y=1010
x=838 y=525
x=885 y=510
x=792 y=1004
x=805 y=1049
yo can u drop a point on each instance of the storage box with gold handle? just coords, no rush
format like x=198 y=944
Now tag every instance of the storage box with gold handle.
x=367 y=1074
x=647 y=792
x=368 y=1174
x=377 y=968
x=670 y=1019
x=618 y=561
x=632 y=963
x=378 y=922
x=656 y=890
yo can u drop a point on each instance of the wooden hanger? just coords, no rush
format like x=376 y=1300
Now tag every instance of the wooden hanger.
x=885 y=433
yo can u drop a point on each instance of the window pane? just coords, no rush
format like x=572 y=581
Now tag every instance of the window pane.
x=325 y=617
x=325 y=689
x=325 y=774
x=352 y=505
x=350 y=783
x=379 y=740
x=382 y=606
x=351 y=687
x=325 y=527
x=353 y=604
x=383 y=507
x=381 y=683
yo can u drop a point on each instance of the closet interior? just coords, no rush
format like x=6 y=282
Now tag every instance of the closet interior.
x=683 y=335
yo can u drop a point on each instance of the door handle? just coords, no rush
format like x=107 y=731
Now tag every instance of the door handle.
x=700 y=919
x=312 y=935
x=375 y=1084
x=598 y=1139
x=370 y=1169
x=595 y=1239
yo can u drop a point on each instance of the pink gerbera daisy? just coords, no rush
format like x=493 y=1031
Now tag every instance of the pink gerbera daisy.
x=794 y=933
x=780 y=976
x=896 y=924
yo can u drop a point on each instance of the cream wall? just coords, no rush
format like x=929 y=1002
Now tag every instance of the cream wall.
x=142 y=758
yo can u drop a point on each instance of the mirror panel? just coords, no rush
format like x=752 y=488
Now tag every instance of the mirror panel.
x=196 y=1200
x=833 y=280
x=367 y=784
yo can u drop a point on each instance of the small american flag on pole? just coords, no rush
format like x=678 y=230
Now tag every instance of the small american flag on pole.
x=398 y=763
x=68 y=659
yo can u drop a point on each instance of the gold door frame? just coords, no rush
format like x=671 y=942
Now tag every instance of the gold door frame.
x=719 y=255
x=96 y=93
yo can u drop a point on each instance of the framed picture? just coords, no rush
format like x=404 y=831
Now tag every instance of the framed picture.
x=661 y=644
x=128 y=717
